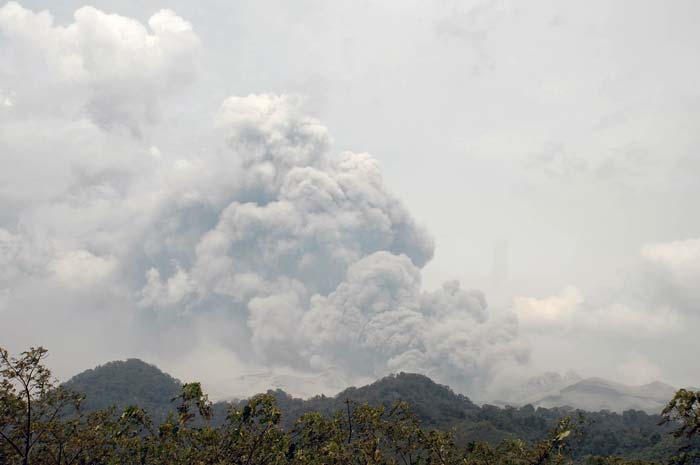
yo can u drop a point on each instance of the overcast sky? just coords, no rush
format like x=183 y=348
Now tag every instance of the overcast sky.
x=312 y=193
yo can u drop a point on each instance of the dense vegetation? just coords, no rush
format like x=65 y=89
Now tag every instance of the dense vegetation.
x=403 y=419
x=121 y=384
x=633 y=434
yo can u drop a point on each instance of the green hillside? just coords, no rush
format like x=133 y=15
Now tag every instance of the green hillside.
x=633 y=434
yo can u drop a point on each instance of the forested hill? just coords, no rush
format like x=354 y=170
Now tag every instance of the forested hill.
x=134 y=382
x=633 y=434
x=434 y=404
x=124 y=383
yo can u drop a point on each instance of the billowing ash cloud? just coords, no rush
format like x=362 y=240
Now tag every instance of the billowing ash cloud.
x=261 y=257
x=319 y=262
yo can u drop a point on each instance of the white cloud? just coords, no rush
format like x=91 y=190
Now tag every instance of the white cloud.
x=554 y=311
x=80 y=268
x=570 y=312
x=680 y=260
x=173 y=292
x=109 y=67
x=657 y=299
x=6 y=100
x=631 y=328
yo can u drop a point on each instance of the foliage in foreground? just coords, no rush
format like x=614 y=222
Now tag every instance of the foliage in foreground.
x=42 y=423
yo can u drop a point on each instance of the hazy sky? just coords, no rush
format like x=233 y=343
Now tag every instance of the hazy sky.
x=258 y=193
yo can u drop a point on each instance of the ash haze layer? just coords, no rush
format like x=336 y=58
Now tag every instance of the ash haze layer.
x=165 y=193
x=260 y=250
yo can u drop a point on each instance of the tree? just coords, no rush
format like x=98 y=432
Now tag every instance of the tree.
x=683 y=411
x=31 y=406
x=42 y=424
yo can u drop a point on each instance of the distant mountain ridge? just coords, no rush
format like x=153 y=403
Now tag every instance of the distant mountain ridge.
x=596 y=394
x=133 y=381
